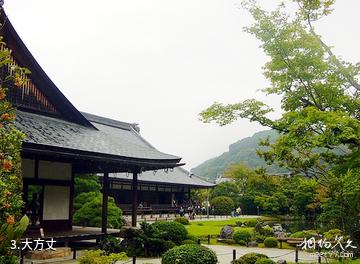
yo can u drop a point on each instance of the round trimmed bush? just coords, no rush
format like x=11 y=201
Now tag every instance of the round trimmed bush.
x=189 y=254
x=241 y=235
x=251 y=222
x=249 y=258
x=265 y=261
x=242 y=243
x=222 y=205
x=270 y=242
x=182 y=220
x=172 y=231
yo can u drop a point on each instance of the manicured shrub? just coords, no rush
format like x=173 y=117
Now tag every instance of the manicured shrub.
x=267 y=231
x=169 y=244
x=270 y=242
x=83 y=198
x=172 y=231
x=182 y=220
x=251 y=222
x=249 y=258
x=99 y=257
x=263 y=230
x=241 y=243
x=90 y=213
x=265 y=261
x=222 y=205
x=332 y=233
x=146 y=241
x=189 y=254
x=192 y=237
x=298 y=234
x=304 y=234
x=241 y=235
x=260 y=238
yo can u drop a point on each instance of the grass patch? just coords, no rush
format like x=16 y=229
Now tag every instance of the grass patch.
x=204 y=228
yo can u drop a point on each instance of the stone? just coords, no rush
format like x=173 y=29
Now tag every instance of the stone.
x=252 y=244
x=281 y=261
x=226 y=232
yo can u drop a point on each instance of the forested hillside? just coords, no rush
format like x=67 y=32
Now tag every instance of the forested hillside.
x=243 y=150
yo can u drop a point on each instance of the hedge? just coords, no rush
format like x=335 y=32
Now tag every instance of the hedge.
x=172 y=231
x=222 y=205
x=270 y=242
x=189 y=254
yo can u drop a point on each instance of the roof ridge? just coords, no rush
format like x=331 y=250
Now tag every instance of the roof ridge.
x=109 y=121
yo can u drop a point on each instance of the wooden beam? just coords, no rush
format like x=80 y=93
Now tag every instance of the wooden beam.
x=134 y=198
x=105 y=193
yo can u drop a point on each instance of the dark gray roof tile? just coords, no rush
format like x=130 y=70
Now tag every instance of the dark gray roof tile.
x=55 y=132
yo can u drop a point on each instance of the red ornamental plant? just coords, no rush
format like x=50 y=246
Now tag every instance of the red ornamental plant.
x=11 y=227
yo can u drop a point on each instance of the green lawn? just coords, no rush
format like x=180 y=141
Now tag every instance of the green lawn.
x=204 y=228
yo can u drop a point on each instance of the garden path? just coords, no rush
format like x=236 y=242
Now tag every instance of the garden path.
x=224 y=254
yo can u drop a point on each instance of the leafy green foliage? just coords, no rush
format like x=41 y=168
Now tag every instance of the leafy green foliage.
x=10 y=161
x=172 y=231
x=222 y=205
x=182 y=220
x=147 y=242
x=189 y=254
x=99 y=257
x=270 y=242
x=332 y=234
x=320 y=125
x=251 y=222
x=12 y=231
x=228 y=189
x=265 y=261
x=110 y=244
x=249 y=258
x=86 y=183
x=90 y=213
x=88 y=204
x=242 y=235
x=83 y=198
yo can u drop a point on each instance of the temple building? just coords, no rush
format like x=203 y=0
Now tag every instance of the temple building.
x=62 y=142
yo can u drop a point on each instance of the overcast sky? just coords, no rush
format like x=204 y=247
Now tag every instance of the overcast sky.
x=161 y=62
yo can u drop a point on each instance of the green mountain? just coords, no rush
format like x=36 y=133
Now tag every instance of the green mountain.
x=243 y=151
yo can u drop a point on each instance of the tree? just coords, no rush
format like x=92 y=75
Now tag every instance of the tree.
x=90 y=213
x=88 y=203
x=320 y=127
x=86 y=183
x=11 y=203
x=228 y=189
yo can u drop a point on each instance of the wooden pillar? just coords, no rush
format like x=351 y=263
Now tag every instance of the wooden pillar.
x=71 y=205
x=134 y=198
x=105 y=193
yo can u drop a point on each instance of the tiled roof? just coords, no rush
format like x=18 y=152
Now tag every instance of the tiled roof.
x=177 y=176
x=53 y=132
x=120 y=131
